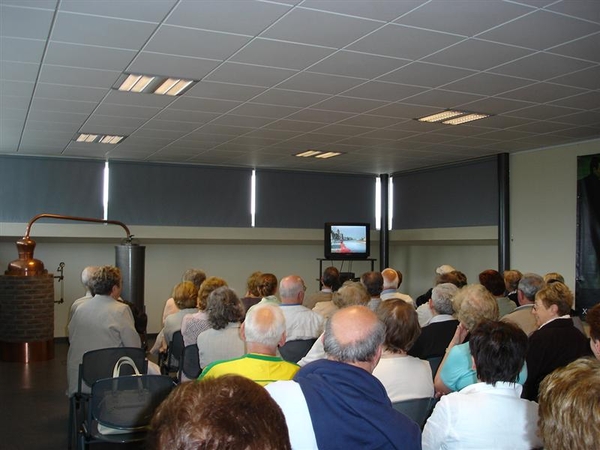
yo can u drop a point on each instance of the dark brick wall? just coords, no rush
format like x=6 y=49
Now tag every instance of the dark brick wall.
x=26 y=308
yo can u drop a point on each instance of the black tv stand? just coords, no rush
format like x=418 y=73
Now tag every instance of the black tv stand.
x=342 y=261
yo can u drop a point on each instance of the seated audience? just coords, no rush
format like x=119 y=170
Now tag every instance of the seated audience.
x=556 y=342
x=194 y=324
x=330 y=282
x=86 y=276
x=493 y=282
x=100 y=322
x=455 y=277
x=570 y=406
x=553 y=277
x=267 y=288
x=474 y=304
x=185 y=295
x=263 y=331
x=336 y=403
x=436 y=335
x=195 y=276
x=529 y=285
x=373 y=282
x=300 y=322
x=392 y=279
x=222 y=340
x=511 y=283
x=593 y=320
x=230 y=412
x=404 y=377
x=489 y=414
x=252 y=295
x=439 y=271
x=351 y=293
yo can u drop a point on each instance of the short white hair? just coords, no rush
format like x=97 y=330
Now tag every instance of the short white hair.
x=266 y=327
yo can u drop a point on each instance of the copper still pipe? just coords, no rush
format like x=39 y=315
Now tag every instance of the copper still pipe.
x=80 y=219
x=27 y=265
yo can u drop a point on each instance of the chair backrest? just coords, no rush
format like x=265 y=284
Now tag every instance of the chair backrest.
x=190 y=362
x=418 y=409
x=434 y=363
x=174 y=352
x=128 y=402
x=97 y=364
x=294 y=351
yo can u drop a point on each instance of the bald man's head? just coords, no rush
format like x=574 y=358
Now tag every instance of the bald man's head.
x=353 y=335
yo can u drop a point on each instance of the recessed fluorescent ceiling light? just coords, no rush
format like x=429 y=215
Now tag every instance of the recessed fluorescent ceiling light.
x=453 y=117
x=148 y=84
x=308 y=153
x=99 y=138
x=465 y=119
x=328 y=155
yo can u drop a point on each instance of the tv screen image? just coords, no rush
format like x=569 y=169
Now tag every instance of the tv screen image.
x=347 y=241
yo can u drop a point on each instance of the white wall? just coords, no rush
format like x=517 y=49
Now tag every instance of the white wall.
x=544 y=207
x=233 y=253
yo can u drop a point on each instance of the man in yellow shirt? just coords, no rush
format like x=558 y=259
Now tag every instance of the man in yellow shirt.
x=263 y=331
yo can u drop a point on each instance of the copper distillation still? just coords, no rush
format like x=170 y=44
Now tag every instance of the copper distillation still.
x=27 y=298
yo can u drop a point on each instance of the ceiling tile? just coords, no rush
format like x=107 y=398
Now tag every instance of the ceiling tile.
x=136 y=99
x=258 y=110
x=359 y=65
x=88 y=57
x=403 y=110
x=314 y=115
x=223 y=91
x=320 y=83
x=180 y=115
x=542 y=112
x=581 y=118
x=542 y=93
x=319 y=28
x=584 y=48
x=424 y=74
x=241 y=121
x=366 y=120
x=195 y=43
x=204 y=104
x=540 y=30
x=112 y=125
x=153 y=11
x=585 y=79
x=487 y=84
x=289 y=98
x=21 y=50
x=172 y=66
x=293 y=125
x=103 y=31
x=494 y=105
x=170 y=125
x=488 y=54
x=541 y=66
x=112 y=109
x=284 y=55
x=373 y=9
x=66 y=92
x=587 y=10
x=56 y=116
x=78 y=77
x=442 y=99
x=25 y=22
x=587 y=100
x=45 y=104
x=404 y=42
x=16 y=88
x=379 y=90
x=250 y=75
x=17 y=71
x=232 y=16
x=347 y=104
x=461 y=17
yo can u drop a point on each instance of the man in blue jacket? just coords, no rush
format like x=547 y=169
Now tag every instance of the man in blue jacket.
x=336 y=403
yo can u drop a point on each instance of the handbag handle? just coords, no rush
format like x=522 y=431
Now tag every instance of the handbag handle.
x=125 y=360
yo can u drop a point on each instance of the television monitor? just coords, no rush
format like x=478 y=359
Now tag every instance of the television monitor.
x=347 y=241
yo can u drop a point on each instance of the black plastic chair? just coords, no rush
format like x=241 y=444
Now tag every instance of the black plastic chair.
x=189 y=364
x=170 y=363
x=418 y=409
x=294 y=351
x=97 y=364
x=125 y=406
x=434 y=363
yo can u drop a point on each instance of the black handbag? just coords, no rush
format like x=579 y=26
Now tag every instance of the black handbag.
x=125 y=410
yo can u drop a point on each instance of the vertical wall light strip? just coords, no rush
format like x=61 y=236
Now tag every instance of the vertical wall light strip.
x=377 y=203
x=253 y=198
x=390 y=203
x=105 y=191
